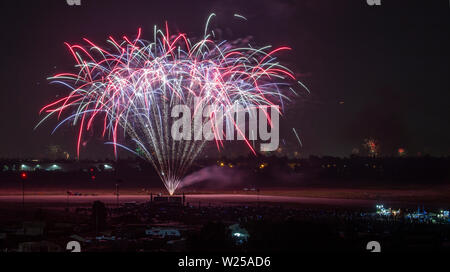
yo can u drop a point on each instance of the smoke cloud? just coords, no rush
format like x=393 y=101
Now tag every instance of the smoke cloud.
x=215 y=176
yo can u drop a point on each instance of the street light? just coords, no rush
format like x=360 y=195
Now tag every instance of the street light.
x=257 y=191
x=67 y=200
x=118 y=181
x=23 y=177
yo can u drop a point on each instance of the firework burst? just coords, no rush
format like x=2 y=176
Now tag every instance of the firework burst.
x=129 y=88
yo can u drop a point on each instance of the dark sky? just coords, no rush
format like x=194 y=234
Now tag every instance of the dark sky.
x=373 y=71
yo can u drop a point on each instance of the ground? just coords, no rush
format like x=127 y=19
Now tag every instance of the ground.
x=364 y=197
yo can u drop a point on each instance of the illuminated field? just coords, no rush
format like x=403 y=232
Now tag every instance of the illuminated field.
x=308 y=196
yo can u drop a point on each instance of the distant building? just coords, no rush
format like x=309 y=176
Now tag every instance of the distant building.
x=162 y=233
x=42 y=246
x=67 y=166
x=32 y=229
x=106 y=238
x=168 y=200
x=79 y=238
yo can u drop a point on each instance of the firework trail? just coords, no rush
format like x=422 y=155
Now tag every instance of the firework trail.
x=129 y=88
x=298 y=138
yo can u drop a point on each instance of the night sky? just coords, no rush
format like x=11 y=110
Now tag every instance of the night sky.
x=373 y=71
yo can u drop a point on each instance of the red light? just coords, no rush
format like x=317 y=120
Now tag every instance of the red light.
x=23 y=175
x=93 y=177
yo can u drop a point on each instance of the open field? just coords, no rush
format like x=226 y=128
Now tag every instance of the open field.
x=363 y=198
x=417 y=193
x=194 y=199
